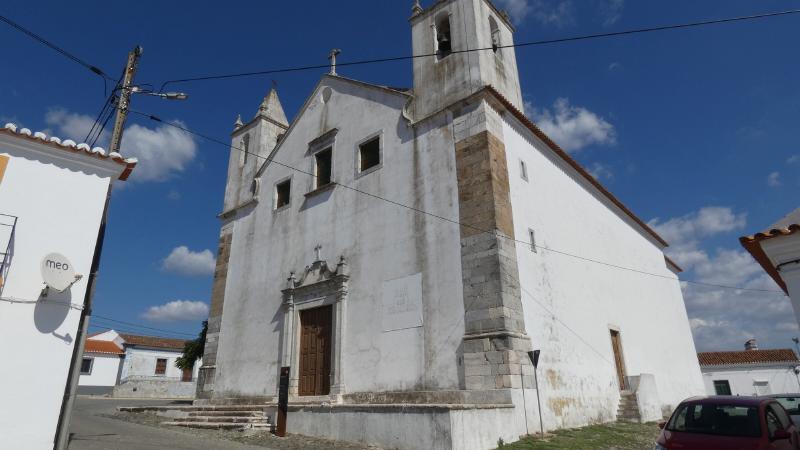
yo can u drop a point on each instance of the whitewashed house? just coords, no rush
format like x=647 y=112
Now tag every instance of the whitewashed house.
x=777 y=250
x=52 y=200
x=101 y=367
x=145 y=368
x=402 y=328
x=751 y=371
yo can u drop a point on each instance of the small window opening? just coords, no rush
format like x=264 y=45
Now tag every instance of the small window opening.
x=161 y=366
x=532 y=237
x=245 y=147
x=495 y=30
x=523 y=170
x=323 y=161
x=722 y=387
x=283 y=192
x=369 y=154
x=444 y=42
x=86 y=366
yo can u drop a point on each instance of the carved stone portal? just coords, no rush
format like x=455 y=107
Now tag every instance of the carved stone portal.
x=317 y=286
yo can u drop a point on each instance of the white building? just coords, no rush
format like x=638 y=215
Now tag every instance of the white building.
x=750 y=372
x=778 y=251
x=403 y=329
x=101 y=367
x=145 y=368
x=52 y=197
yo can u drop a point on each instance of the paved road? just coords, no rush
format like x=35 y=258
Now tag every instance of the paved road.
x=93 y=432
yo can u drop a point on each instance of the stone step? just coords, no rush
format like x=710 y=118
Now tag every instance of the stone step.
x=227 y=413
x=192 y=408
x=221 y=419
x=219 y=425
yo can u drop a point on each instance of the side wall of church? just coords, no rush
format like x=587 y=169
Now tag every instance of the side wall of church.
x=570 y=305
x=385 y=245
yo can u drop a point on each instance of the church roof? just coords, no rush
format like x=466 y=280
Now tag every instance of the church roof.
x=788 y=225
x=572 y=162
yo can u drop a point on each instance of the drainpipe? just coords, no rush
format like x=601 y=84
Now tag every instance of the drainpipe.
x=61 y=441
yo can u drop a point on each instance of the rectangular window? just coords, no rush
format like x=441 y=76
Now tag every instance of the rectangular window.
x=722 y=387
x=369 y=154
x=161 y=366
x=523 y=170
x=324 y=166
x=86 y=366
x=283 y=192
x=532 y=237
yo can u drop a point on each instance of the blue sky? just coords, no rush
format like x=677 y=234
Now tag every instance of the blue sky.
x=694 y=130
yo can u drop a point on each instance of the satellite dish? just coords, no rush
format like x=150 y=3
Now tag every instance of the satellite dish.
x=57 y=272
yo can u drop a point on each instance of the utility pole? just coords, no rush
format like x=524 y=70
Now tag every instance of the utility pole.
x=125 y=97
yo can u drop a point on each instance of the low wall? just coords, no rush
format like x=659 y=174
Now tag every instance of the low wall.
x=155 y=389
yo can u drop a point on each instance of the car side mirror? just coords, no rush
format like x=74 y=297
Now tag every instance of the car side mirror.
x=661 y=425
x=780 y=434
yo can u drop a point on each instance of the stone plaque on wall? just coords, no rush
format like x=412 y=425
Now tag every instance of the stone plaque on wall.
x=402 y=303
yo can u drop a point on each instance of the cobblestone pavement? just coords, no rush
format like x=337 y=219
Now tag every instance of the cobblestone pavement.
x=96 y=425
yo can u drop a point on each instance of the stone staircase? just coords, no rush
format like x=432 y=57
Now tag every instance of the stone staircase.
x=223 y=417
x=628 y=410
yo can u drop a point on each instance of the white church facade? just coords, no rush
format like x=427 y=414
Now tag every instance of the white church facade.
x=402 y=251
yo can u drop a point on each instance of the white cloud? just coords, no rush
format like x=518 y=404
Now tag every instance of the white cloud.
x=793 y=159
x=573 y=127
x=556 y=13
x=601 y=171
x=721 y=318
x=614 y=66
x=177 y=310
x=186 y=262
x=774 y=179
x=611 y=11
x=161 y=151
x=174 y=195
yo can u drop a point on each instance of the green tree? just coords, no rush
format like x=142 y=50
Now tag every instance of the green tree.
x=193 y=350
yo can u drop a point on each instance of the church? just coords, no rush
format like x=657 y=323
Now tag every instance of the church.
x=403 y=252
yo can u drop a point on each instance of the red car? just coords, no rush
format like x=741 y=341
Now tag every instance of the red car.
x=729 y=423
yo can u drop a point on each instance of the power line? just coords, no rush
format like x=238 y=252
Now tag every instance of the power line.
x=96 y=70
x=105 y=328
x=138 y=325
x=446 y=219
x=494 y=48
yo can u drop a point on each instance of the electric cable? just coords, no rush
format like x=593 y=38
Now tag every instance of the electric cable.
x=138 y=325
x=446 y=219
x=94 y=69
x=493 y=48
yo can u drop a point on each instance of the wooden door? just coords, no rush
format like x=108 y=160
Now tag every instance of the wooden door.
x=619 y=361
x=315 y=351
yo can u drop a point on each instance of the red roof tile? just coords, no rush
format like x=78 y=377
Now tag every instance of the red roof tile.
x=153 y=341
x=93 y=346
x=787 y=226
x=747 y=357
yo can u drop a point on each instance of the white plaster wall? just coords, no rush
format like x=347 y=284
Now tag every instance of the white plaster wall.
x=141 y=362
x=570 y=304
x=58 y=197
x=381 y=241
x=782 y=380
x=784 y=249
x=104 y=370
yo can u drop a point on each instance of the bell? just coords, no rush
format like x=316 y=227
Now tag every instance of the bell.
x=443 y=38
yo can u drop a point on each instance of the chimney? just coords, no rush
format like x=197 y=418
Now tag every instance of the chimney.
x=751 y=345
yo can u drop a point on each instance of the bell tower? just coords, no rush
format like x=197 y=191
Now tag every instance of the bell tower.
x=452 y=31
x=251 y=144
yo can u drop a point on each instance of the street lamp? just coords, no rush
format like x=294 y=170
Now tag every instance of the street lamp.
x=164 y=95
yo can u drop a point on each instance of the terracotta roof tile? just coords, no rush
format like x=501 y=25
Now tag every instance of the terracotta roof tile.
x=94 y=346
x=785 y=227
x=153 y=341
x=747 y=357
x=71 y=146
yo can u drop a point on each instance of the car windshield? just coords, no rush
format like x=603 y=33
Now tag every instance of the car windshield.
x=790 y=404
x=725 y=420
